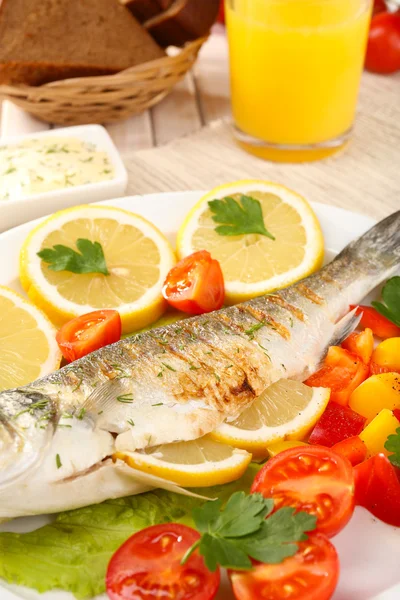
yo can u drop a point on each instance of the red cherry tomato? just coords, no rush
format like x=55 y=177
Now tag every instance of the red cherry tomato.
x=380 y=325
x=342 y=373
x=196 y=284
x=148 y=567
x=383 y=50
x=335 y=425
x=311 y=574
x=88 y=333
x=379 y=6
x=221 y=13
x=378 y=489
x=312 y=479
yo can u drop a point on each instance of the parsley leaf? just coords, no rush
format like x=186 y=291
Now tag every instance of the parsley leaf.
x=393 y=445
x=245 y=529
x=239 y=217
x=90 y=260
x=391 y=298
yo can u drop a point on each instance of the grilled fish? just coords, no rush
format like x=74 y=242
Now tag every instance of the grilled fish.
x=175 y=383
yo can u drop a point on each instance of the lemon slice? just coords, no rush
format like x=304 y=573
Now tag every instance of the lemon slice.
x=198 y=463
x=28 y=347
x=254 y=264
x=137 y=255
x=287 y=410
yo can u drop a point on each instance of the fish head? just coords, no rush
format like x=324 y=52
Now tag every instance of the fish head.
x=27 y=425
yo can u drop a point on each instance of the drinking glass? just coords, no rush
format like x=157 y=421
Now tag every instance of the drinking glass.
x=295 y=74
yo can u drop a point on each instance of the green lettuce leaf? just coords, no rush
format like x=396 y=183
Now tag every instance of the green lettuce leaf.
x=72 y=553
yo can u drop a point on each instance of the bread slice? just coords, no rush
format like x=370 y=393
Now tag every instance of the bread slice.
x=183 y=21
x=47 y=40
x=144 y=10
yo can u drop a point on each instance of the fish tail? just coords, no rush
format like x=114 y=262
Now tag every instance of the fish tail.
x=378 y=250
x=359 y=267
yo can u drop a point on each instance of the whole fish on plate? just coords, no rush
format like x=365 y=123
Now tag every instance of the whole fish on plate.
x=175 y=383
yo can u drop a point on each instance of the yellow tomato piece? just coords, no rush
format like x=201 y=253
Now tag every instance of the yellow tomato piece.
x=376 y=433
x=279 y=447
x=376 y=393
x=387 y=354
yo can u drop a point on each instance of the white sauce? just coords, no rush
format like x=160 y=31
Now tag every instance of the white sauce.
x=50 y=163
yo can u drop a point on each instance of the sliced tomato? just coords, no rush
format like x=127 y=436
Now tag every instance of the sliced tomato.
x=148 y=567
x=380 y=325
x=88 y=333
x=352 y=448
x=396 y=413
x=377 y=488
x=312 y=479
x=361 y=344
x=196 y=284
x=311 y=574
x=342 y=372
x=335 y=425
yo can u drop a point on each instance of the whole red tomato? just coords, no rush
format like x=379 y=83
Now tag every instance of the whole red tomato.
x=221 y=14
x=379 y=6
x=383 y=51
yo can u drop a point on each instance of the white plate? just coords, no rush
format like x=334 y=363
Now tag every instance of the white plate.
x=368 y=548
x=15 y=212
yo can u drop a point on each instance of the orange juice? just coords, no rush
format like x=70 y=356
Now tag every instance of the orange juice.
x=295 y=73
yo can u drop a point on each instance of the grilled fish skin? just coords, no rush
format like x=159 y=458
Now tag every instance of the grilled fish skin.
x=181 y=381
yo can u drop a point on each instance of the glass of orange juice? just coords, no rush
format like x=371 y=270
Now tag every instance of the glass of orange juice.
x=295 y=74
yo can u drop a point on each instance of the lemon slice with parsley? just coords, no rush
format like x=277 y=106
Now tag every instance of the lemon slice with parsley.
x=28 y=347
x=198 y=463
x=97 y=257
x=264 y=235
x=287 y=410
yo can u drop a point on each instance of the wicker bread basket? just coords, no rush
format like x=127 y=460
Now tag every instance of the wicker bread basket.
x=108 y=98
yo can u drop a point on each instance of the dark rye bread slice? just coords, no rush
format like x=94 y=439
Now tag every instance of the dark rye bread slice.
x=143 y=10
x=48 y=40
x=183 y=21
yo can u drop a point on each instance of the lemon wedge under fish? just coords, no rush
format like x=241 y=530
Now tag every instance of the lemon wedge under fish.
x=28 y=347
x=198 y=463
x=287 y=410
x=255 y=264
x=137 y=255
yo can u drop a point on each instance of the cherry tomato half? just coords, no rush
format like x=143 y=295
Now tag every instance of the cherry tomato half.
x=383 y=50
x=313 y=479
x=311 y=574
x=88 y=333
x=196 y=284
x=147 y=567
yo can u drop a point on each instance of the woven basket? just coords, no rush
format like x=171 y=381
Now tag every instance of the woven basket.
x=107 y=98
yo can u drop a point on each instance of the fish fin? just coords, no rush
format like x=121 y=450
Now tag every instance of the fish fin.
x=343 y=329
x=102 y=399
x=157 y=482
